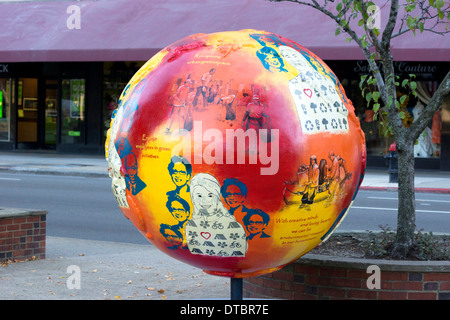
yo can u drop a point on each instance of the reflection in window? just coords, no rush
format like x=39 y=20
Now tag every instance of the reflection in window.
x=377 y=141
x=6 y=99
x=73 y=111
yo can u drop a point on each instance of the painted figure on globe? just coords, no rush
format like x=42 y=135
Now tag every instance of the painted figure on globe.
x=234 y=193
x=212 y=229
x=235 y=152
x=326 y=179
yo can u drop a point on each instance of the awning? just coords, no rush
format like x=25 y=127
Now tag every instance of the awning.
x=124 y=30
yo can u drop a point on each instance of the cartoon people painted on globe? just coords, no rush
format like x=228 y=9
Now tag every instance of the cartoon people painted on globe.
x=203 y=87
x=254 y=114
x=133 y=182
x=173 y=236
x=271 y=59
x=255 y=222
x=180 y=171
x=324 y=179
x=212 y=229
x=234 y=192
x=180 y=210
x=180 y=107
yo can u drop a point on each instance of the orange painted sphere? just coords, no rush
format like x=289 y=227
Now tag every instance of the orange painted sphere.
x=235 y=152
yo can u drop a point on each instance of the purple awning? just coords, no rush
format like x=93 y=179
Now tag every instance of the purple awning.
x=120 y=30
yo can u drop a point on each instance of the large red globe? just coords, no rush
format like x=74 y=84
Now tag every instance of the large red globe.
x=235 y=152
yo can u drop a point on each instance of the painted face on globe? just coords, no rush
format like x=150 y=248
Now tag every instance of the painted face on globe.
x=235 y=152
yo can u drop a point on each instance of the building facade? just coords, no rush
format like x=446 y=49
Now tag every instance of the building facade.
x=61 y=78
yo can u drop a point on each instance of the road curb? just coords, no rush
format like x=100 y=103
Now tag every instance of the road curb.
x=395 y=189
x=56 y=172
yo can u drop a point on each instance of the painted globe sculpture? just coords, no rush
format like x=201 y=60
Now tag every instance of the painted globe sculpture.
x=235 y=152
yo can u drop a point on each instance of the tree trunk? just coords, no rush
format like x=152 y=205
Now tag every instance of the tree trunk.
x=406 y=200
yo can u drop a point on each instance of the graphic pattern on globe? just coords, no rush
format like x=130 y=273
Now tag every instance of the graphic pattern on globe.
x=235 y=152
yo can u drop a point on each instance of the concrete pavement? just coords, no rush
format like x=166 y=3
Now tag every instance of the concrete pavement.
x=110 y=270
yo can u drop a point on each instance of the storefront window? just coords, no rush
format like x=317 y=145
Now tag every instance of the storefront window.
x=73 y=111
x=27 y=111
x=429 y=142
x=51 y=106
x=6 y=99
x=377 y=141
x=116 y=76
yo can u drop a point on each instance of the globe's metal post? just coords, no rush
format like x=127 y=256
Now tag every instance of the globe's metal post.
x=236 y=288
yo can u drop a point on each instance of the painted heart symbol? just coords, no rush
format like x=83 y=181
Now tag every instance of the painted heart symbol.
x=308 y=92
x=205 y=235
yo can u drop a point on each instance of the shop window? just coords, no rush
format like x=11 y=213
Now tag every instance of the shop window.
x=6 y=100
x=51 y=107
x=27 y=111
x=73 y=111
x=377 y=141
x=429 y=142
x=116 y=76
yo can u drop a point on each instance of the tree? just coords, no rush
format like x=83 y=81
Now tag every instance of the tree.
x=356 y=18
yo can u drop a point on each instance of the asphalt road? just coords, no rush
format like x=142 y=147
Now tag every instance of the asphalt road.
x=78 y=207
x=84 y=208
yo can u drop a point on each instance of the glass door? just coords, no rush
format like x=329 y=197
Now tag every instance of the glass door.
x=51 y=107
x=73 y=111
x=27 y=113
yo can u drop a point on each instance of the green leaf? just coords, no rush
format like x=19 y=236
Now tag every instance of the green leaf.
x=404 y=83
x=376 y=107
x=360 y=22
x=348 y=39
x=402 y=99
x=421 y=27
x=339 y=6
x=401 y=115
x=410 y=21
x=337 y=32
x=439 y=4
x=376 y=96
x=413 y=85
x=390 y=99
x=361 y=82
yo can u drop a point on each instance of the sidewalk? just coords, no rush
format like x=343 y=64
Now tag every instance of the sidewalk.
x=110 y=270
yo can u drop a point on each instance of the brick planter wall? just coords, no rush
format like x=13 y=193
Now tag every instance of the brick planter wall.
x=22 y=234
x=315 y=277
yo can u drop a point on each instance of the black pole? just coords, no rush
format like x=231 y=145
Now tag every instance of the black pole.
x=236 y=288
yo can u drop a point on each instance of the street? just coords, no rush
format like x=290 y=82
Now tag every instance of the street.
x=373 y=208
x=84 y=207
x=78 y=207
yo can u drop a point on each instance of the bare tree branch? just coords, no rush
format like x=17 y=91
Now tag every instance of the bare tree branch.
x=389 y=29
